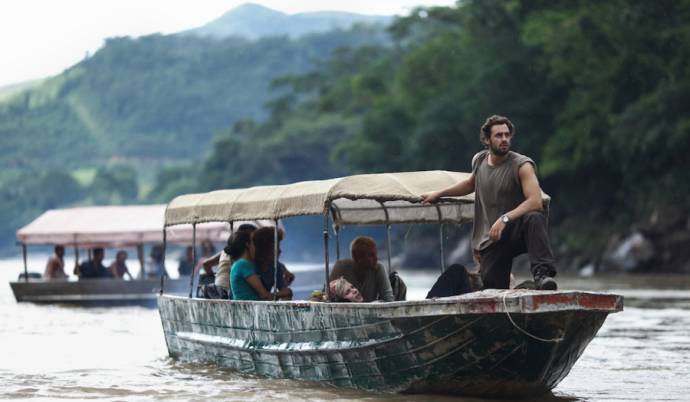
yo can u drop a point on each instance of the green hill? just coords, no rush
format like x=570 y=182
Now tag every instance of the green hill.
x=154 y=98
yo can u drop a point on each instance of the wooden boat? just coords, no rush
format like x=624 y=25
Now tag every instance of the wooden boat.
x=508 y=343
x=107 y=227
x=96 y=291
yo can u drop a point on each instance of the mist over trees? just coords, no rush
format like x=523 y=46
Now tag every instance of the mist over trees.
x=597 y=91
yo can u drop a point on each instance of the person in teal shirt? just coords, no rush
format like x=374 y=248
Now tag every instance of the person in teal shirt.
x=244 y=281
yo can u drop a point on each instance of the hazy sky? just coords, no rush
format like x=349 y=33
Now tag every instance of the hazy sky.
x=39 y=38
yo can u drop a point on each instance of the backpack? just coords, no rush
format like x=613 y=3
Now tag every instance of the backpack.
x=398 y=286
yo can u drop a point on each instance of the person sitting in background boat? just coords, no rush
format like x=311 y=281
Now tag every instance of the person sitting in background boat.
x=94 y=268
x=118 y=268
x=364 y=272
x=155 y=266
x=55 y=268
x=342 y=291
x=245 y=283
x=186 y=265
x=264 y=259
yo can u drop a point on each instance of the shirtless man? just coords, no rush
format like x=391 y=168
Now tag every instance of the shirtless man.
x=55 y=268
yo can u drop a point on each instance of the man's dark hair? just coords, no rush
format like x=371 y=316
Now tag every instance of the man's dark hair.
x=59 y=248
x=485 y=131
x=98 y=250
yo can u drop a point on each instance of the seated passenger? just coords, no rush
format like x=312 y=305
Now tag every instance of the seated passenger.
x=55 y=268
x=237 y=244
x=341 y=290
x=364 y=272
x=244 y=281
x=94 y=269
x=155 y=266
x=263 y=241
x=118 y=268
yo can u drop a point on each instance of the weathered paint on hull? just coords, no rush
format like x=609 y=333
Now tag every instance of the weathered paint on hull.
x=461 y=345
x=96 y=291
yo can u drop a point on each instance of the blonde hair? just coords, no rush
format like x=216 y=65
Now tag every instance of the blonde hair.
x=338 y=288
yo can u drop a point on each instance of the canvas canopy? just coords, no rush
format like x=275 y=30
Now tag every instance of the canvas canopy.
x=360 y=199
x=115 y=226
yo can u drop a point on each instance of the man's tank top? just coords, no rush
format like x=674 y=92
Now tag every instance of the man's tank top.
x=497 y=191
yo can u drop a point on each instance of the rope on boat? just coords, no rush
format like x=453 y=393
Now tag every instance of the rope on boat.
x=505 y=307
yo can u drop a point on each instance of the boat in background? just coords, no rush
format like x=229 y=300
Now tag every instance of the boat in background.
x=492 y=343
x=106 y=227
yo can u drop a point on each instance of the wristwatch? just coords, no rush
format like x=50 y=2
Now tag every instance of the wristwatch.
x=505 y=218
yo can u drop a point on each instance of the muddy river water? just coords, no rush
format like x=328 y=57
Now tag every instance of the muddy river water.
x=117 y=354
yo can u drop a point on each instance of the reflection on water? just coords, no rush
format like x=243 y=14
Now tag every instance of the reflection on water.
x=63 y=352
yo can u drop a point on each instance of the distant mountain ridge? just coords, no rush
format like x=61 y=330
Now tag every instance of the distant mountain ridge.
x=253 y=21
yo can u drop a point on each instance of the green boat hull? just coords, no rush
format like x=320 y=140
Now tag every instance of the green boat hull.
x=491 y=343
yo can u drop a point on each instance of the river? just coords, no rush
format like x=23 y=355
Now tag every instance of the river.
x=116 y=354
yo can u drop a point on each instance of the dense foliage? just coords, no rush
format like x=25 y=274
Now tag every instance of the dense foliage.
x=597 y=91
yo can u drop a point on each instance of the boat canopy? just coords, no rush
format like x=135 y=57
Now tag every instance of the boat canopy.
x=115 y=226
x=384 y=198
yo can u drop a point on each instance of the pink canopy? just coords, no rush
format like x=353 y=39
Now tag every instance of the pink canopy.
x=116 y=226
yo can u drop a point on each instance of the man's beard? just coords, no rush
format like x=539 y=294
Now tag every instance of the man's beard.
x=498 y=151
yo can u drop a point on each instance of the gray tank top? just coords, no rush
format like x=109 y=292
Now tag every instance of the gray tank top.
x=497 y=191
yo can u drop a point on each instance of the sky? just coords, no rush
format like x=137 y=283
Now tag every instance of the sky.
x=41 y=38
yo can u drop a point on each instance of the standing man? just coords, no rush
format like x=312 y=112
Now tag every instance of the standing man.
x=509 y=217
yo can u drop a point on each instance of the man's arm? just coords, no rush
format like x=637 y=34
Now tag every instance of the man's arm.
x=458 y=189
x=532 y=202
x=384 y=285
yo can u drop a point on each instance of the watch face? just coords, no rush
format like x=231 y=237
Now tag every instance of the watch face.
x=505 y=219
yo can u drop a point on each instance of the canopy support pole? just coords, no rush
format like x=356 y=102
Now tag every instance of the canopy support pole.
x=337 y=242
x=76 y=258
x=443 y=256
x=275 y=261
x=140 y=256
x=26 y=270
x=336 y=231
x=440 y=238
x=325 y=249
x=165 y=244
x=388 y=237
x=191 y=277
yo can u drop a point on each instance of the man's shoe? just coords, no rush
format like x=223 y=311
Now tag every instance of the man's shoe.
x=545 y=283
